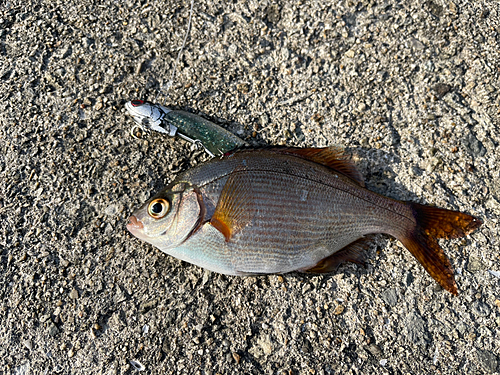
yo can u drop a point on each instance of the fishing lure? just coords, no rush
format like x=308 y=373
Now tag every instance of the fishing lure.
x=215 y=140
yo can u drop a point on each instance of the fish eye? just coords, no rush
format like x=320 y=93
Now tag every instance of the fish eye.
x=158 y=208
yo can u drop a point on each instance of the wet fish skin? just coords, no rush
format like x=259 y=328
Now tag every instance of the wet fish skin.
x=277 y=211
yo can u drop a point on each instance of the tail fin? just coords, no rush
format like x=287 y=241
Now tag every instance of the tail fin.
x=435 y=223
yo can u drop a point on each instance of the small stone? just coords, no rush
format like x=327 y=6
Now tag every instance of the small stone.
x=28 y=344
x=390 y=297
x=265 y=344
x=409 y=278
x=243 y=88
x=474 y=145
x=480 y=308
x=98 y=106
x=119 y=295
x=374 y=350
x=73 y=294
x=441 y=89
x=339 y=309
x=53 y=330
x=487 y=360
x=146 y=306
x=137 y=365
x=350 y=53
x=453 y=7
x=306 y=347
x=475 y=264
x=273 y=13
x=139 y=67
x=306 y=288
x=416 y=329
x=236 y=357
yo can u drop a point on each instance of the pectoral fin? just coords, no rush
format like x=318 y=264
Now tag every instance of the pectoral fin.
x=234 y=209
x=354 y=252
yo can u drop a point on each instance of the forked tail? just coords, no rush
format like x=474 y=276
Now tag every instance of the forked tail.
x=433 y=223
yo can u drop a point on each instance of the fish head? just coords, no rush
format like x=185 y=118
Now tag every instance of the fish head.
x=170 y=217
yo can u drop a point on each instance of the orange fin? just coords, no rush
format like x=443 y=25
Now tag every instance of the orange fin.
x=442 y=223
x=234 y=208
x=354 y=252
x=427 y=251
x=435 y=223
x=332 y=157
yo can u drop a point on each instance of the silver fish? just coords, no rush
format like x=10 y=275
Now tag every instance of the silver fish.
x=282 y=210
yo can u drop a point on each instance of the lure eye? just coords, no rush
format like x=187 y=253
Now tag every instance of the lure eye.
x=158 y=208
x=137 y=103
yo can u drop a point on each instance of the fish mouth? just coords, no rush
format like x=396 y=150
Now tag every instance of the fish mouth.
x=135 y=226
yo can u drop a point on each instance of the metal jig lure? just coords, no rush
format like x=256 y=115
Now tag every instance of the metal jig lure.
x=215 y=140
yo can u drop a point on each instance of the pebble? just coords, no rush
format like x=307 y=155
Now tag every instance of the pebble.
x=475 y=264
x=119 y=295
x=28 y=344
x=339 y=309
x=73 y=294
x=441 y=89
x=306 y=288
x=374 y=349
x=350 y=53
x=487 y=360
x=416 y=329
x=390 y=297
x=53 y=330
x=474 y=145
x=480 y=308
x=138 y=366
x=236 y=357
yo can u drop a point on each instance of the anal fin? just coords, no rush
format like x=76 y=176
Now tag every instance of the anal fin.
x=354 y=252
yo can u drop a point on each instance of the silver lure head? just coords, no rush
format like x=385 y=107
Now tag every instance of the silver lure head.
x=150 y=116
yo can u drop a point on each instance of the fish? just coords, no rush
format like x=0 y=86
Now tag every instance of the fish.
x=279 y=210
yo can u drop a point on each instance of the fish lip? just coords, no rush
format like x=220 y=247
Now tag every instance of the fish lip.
x=134 y=225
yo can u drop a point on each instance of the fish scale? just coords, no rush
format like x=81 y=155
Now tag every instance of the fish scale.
x=282 y=210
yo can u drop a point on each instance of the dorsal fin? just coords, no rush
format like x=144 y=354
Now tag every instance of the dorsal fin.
x=332 y=157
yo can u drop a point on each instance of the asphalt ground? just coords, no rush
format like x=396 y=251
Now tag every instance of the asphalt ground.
x=411 y=89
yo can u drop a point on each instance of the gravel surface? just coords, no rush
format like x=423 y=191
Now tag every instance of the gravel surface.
x=411 y=90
